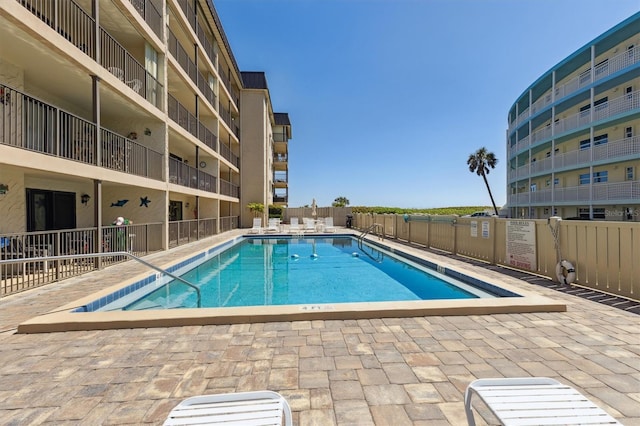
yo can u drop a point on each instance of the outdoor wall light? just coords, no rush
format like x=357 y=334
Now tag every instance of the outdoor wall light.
x=84 y=198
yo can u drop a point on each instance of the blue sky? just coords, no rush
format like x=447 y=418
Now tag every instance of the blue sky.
x=388 y=98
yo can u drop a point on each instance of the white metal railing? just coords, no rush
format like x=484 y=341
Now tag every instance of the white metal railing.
x=541 y=134
x=612 y=65
x=581 y=157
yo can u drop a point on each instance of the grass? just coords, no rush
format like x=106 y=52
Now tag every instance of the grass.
x=461 y=211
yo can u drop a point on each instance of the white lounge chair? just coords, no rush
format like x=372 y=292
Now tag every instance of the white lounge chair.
x=273 y=225
x=257 y=226
x=328 y=225
x=309 y=224
x=294 y=226
x=534 y=401
x=242 y=408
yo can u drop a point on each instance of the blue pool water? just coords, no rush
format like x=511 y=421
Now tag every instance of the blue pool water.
x=290 y=271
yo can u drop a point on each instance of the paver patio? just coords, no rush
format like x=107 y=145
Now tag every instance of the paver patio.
x=400 y=371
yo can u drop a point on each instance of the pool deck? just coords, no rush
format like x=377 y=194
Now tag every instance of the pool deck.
x=398 y=371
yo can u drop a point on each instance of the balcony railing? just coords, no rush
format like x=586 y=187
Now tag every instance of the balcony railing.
x=29 y=123
x=623 y=104
x=612 y=65
x=602 y=192
x=226 y=152
x=230 y=189
x=186 y=231
x=20 y=275
x=185 y=175
x=150 y=14
x=70 y=21
x=125 y=155
x=181 y=55
x=207 y=136
x=181 y=115
x=578 y=158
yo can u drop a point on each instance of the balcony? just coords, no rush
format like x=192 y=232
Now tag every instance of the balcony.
x=616 y=192
x=208 y=47
x=150 y=14
x=612 y=151
x=181 y=115
x=230 y=189
x=188 y=65
x=628 y=102
x=69 y=20
x=226 y=153
x=610 y=66
x=28 y=123
x=185 y=175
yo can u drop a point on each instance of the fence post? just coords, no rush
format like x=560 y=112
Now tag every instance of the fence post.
x=454 y=223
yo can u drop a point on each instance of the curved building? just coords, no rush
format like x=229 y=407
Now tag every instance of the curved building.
x=573 y=141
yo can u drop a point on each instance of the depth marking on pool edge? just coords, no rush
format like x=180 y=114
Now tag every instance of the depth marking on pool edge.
x=317 y=308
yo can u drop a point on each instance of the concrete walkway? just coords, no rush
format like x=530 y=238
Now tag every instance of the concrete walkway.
x=408 y=371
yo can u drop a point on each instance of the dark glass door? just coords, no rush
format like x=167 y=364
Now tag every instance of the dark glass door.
x=50 y=210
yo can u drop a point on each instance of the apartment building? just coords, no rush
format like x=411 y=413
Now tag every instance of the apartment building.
x=573 y=141
x=264 y=151
x=127 y=109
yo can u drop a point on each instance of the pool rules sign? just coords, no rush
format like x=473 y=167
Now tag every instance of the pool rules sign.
x=521 y=244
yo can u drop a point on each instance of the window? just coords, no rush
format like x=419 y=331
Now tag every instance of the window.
x=629 y=92
x=598 y=213
x=630 y=50
x=585 y=144
x=600 y=140
x=548 y=154
x=534 y=187
x=50 y=210
x=547 y=182
x=583 y=213
x=628 y=132
x=556 y=182
x=584 y=179
x=628 y=173
x=600 y=177
x=585 y=77
x=601 y=103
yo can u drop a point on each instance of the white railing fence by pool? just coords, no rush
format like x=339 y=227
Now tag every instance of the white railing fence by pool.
x=26 y=271
x=604 y=253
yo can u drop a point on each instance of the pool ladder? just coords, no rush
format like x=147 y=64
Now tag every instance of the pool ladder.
x=380 y=256
x=110 y=254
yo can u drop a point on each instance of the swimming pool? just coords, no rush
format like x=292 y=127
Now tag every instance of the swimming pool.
x=296 y=271
x=89 y=312
x=262 y=271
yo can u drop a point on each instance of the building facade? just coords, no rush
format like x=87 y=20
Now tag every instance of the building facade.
x=573 y=141
x=264 y=161
x=122 y=108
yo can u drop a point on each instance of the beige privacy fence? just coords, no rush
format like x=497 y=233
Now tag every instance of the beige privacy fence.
x=604 y=254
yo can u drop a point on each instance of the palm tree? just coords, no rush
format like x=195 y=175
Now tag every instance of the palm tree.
x=340 y=202
x=480 y=162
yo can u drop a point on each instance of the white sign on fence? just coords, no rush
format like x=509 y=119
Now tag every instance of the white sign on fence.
x=485 y=229
x=521 y=244
x=474 y=228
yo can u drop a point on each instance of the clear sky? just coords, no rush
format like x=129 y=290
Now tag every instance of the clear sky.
x=387 y=98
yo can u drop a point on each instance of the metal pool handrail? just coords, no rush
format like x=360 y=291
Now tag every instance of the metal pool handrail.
x=111 y=253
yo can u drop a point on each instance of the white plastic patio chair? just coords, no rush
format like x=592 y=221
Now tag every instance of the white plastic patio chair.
x=535 y=401
x=328 y=225
x=273 y=225
x=257 y=226
x=309 y=224
x=294 y=226
x=232 y=409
